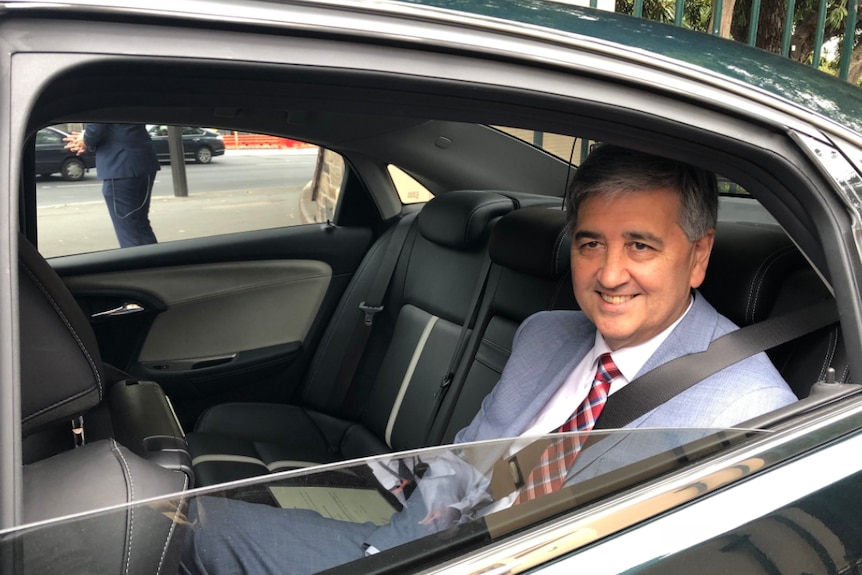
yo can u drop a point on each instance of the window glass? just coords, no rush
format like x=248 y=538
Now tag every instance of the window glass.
x=567 y=148
x=236 y=182
x=409 y=190
x=575 y=151
x=383 y=502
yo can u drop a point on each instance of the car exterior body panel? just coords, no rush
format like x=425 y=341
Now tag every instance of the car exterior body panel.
x=656 y=81
x=199 y=144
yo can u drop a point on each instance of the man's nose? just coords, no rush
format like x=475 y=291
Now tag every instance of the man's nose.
x=614 y=270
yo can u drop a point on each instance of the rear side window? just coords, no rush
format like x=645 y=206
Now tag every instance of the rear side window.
x=235 y=182
x=409 y=190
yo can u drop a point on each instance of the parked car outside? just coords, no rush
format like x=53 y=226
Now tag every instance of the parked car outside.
x=53 y=158
x=338 y=401
x=199 y=144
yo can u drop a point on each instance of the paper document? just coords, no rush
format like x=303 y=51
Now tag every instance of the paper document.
x=343 y=503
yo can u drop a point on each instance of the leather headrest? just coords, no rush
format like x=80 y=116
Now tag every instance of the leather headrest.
x=747 y=268
x=459 y=220
x=61 y=369
x=532 y=241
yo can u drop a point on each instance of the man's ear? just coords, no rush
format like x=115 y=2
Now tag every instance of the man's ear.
x=702 y=250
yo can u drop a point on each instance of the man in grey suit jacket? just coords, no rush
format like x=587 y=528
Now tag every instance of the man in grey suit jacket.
x=126 y=163
x=642 y=232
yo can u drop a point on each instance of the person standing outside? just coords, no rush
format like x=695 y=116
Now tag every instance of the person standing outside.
x=126 y=163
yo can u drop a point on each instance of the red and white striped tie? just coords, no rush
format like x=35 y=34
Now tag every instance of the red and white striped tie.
x=550 y=473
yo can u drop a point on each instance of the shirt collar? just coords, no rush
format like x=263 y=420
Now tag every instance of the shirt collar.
x=630 y=360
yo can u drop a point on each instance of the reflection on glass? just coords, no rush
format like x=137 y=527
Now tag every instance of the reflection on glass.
x=415 y=508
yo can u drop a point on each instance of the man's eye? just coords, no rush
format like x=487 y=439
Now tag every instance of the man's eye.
x=639 y=247
x=590 y=245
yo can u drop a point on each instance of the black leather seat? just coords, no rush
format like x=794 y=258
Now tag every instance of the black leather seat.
x=64 y=383
x=402 y=366
x=756 y=272
x=529 y=249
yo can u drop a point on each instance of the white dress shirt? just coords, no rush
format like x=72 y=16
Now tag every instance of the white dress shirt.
x=629 y=360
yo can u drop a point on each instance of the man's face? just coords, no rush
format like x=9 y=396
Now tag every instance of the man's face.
x=633 y=266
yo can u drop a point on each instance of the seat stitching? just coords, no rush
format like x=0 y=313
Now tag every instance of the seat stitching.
x=173 y=526
x=68 y=326
x=760 y=276
x=555 y=298
x=131 y=485
x=56 y=404
x=790 y=251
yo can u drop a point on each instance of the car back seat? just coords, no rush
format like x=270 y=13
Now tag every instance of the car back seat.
x=65 y=387
x=402 y=365
x=529 y=249
x=755 y=272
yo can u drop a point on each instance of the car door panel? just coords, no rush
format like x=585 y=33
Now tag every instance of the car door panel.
x=221 y=318
x=222 y=308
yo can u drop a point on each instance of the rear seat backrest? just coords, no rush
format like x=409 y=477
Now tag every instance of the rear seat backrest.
x=431 y=295
x=529 y=251
x=756 y=272
x=403 y=363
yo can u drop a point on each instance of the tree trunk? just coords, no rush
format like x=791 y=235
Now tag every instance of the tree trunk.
x=855 y=72
x=769 y=27
x=727 y=18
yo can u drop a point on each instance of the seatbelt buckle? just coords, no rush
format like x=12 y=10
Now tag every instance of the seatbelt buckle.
x=515 y=471
x=78 y=431
x=370 y=311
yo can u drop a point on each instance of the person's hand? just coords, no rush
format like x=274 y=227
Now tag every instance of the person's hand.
x=75 y=143
x=441 y=518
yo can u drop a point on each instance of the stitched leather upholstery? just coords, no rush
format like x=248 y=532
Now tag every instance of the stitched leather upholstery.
x=389 y=404
x=60 y=361
x=755 y=272
x=62 y=376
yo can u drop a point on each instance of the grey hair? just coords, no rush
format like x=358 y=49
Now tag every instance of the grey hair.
x=610 y=171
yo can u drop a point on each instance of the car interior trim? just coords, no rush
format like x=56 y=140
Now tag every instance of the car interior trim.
x=408 y=376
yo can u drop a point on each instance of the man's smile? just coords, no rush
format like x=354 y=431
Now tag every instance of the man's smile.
x=616 y=299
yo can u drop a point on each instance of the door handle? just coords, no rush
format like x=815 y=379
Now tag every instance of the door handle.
x=125 y=309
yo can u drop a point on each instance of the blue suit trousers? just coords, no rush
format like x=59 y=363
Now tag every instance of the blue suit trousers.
x=128 y=201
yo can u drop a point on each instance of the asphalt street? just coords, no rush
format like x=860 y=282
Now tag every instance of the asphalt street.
x=240 y=191
x=236 y=170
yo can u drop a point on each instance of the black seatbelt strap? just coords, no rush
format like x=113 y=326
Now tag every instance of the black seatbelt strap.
x=463 y=337
x=370 y=307
x=657 y=386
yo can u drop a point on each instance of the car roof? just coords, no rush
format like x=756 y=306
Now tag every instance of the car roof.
x=724 y=63
x=800 y=84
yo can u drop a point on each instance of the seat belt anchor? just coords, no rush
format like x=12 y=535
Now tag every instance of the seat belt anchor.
x=444 y=385
x=370 y=312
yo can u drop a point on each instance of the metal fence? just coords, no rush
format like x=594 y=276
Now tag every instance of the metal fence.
x=849 y=36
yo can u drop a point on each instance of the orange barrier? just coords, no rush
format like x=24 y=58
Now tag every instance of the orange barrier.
x=260 y=141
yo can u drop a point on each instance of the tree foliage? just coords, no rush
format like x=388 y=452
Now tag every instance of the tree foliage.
x=697 y=15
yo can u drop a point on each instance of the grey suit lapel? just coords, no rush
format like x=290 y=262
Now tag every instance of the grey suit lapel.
x=552 y=378
x=692 y=334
